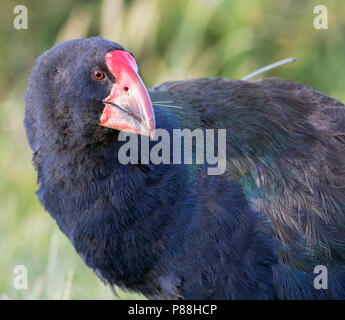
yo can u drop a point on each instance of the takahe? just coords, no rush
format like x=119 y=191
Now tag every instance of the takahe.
x=173 y=231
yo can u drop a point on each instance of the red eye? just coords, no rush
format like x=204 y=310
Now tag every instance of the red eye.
x=98 y=74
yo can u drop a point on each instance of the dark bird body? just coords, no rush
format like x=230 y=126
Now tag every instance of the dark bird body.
x=170 y=230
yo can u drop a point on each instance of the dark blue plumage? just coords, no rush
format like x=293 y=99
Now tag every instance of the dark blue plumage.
x=172 y=231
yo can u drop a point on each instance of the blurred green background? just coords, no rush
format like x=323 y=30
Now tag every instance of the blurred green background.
x=171 y=39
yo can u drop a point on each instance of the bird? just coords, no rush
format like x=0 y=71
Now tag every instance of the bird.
x=173 y=231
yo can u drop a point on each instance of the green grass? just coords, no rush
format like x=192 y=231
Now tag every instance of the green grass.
x=171 y=40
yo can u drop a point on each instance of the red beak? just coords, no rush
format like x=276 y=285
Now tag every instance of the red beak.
x=128 y=107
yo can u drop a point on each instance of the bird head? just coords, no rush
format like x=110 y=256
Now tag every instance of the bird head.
x=90 y=85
